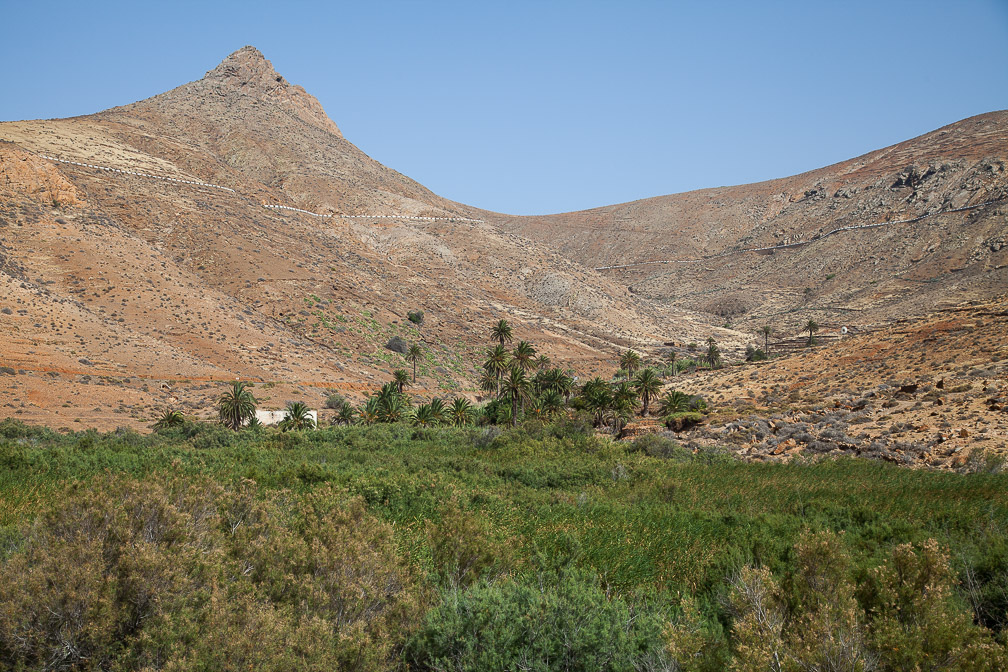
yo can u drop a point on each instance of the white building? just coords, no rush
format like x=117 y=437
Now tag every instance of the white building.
x=276 y=417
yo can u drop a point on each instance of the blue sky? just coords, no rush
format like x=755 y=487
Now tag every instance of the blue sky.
x=535 y=107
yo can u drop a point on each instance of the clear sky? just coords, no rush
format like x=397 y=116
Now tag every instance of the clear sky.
x=536 y=107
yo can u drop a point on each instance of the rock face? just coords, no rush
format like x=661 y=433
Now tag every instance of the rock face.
x=23 y=174
x=248 y=72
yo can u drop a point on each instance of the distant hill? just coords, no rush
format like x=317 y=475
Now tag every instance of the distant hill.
x=867 y=275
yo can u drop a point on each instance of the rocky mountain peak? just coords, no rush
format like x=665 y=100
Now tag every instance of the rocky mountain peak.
x=250 y=73
x=247 y=70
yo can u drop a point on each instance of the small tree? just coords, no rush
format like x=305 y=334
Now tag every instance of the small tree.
x=401 y=378
x=630 y=361
x=713 y=355
x=501 y=332
x=496 y=363
x=413 y=355
x=648 y=384
x=515 y=388
x=811 y=327
x=461 y=412
x=236 y=406
x=169 y=418
x=298 y=417
x=766 y=339
x=346 y=414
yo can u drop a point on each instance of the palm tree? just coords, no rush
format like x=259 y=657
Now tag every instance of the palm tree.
x=543 y=362
x=460 y=412
x=598 y=399
x=488 y=382
x=630 y=361
x=346 y=414
x=369 y=411
x=169 y=418
x=622 y=409
x=536 y=409
x=811 y=326
x=674 y=401
x=501 y=332
x=413 y=355
x=401 y=378
x=438 y=410
x=766 y=339
x=423 y=417
x=391 y=405
x=236 y=406
x=625 y=395
x=565 y=384
x=648 y=384
x=552 y=402
x=524 y=356
x=515 y=388
x=671 y=358
x=497 y=363
x=297 y=417
x=713 y=355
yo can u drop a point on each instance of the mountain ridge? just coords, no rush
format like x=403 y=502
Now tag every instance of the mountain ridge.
x=161 y=287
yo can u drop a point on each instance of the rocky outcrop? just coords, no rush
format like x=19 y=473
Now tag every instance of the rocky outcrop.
x=25 y=174
x=248 y=72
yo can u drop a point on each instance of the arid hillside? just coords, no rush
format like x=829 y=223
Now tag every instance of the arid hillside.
x=886 y=235
x=226 y=229
x=140 y=264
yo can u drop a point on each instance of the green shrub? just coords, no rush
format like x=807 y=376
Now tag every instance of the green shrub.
x=334 y=401
x=552 y=622
x=463 y=548
x=656 y=445
x=683 y=420
x=415 y=316
x=185 y=574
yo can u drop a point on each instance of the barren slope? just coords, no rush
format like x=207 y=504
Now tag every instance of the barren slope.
x=155 y=267
x=863 y=276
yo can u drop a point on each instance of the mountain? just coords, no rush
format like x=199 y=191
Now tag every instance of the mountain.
x=226 y=229
x=150 y=251
x=826 y=258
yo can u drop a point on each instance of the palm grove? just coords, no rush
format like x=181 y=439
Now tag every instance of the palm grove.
x=520 y=383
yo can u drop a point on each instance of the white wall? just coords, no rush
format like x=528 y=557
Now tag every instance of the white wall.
x=276 y=417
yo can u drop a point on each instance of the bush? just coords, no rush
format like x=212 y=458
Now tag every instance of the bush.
x=754 y=354
x=334 y=401
x=463 y=548
x=416 y=317
x=656 y=445
x=184 y=574
x=679 y=422
x=552 y=622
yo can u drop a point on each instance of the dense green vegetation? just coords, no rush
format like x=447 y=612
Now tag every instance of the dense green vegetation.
x=473 y=548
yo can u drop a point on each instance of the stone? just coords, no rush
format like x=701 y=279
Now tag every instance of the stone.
x=397 y=344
